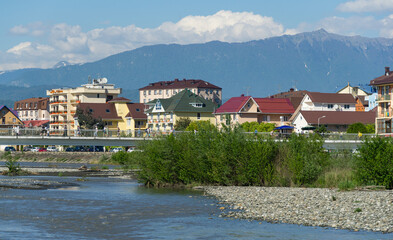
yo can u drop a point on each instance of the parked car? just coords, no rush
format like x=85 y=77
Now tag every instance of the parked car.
x=95 y=149
x=131 y=149
x=52 y=149
x=69 y=149
x=27 y=148
x=42 y=149
x=9 y=149
x=115 y=150
x=35 y=149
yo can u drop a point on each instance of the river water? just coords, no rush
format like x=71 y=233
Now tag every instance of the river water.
x=109 y=208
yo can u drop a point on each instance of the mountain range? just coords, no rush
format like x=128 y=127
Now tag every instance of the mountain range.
x=314 y=61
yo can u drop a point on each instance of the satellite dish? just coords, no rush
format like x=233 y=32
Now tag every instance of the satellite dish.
x=104 y=80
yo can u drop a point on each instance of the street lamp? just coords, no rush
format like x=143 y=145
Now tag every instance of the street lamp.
x=320 y=118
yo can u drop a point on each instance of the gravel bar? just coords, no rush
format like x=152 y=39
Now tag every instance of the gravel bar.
x=354 y=210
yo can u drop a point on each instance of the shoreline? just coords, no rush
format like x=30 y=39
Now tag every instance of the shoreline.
x=352 y=210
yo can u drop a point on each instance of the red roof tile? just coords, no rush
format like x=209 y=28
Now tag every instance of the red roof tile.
x=136 y=111
x=339 y=117
x=100 y=110
x=180 y=84
x=120 y=99
x=274 y=105
x=384 y=79
x=35 y=123
x=233 y=105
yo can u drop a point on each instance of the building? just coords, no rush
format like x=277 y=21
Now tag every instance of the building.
x=334 y=121
x=294 y=96
x=9 y=118
x=355 y=91
x=36 y=109
x=384 y=87
x=63 y=101
x=164 y=113
x=316 y=101
x=167 y=89
x=117 y=114
x=248 y=109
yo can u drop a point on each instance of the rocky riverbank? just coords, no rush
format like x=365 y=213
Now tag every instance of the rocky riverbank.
x=355 y=210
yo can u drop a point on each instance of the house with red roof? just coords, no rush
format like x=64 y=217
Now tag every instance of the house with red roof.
x=249 y=109
x=333 y=110
x=118 y=113
x=167 y=89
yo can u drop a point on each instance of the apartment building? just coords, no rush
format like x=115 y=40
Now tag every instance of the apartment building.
x=63 y=101
x=384 y=87
x=164 y=113
x=167 y=89
x=33 y=109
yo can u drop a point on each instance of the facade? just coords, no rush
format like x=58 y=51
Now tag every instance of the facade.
x=334 y=121
x=316 y=101
x=384 y=87
x=63 y=101
x=167 y=89
x=33 y=109
x=117 y=114
x=355 y=91
x=9 y=118
x=164 y=113
x=248 y=109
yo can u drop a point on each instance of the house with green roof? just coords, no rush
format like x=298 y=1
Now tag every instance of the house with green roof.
x=163 y=113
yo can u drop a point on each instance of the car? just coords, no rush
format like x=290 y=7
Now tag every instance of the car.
x=115 y=150
x=35 y=149
x=69 y=149
x=27 y=148
x=42 y=149
x=52 y=149
x=9 y=149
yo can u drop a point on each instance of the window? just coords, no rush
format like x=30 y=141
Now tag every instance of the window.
x=198 y=115
x=167 y=92
x=17 y=105
x=221 y=117
x=266 y=118
x=144 y=92
x=155 y=92
x=234 y=117
x=107 y=110
x=158 y=105
x=137 y=109
x=109 y=123
x=248 y=105
x=171 y=116
x=14 y=120
x=284 y=118
x=98 y=95
x=149 y=92
x=128 y=121
x=160 y=91
x=346 y=106
x=330 y=106
x=144 y=100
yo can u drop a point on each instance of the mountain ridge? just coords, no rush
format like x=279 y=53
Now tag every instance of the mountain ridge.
x=315 y=61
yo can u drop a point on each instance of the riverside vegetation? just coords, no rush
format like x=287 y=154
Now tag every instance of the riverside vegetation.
x=231 y=157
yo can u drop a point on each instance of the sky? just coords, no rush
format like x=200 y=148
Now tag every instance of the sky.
x=41 y=33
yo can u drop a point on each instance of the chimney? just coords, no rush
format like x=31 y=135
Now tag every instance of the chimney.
x=176 y=79
x=242 y=95
x=292 y=89
x=387 y=71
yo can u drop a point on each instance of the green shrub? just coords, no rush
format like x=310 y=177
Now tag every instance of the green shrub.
x=374 y=163
x=304 y=158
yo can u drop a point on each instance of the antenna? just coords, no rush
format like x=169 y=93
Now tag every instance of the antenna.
x=247 y=89
x=89 y=80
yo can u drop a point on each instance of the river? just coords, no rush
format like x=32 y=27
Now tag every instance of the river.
x=110 y=208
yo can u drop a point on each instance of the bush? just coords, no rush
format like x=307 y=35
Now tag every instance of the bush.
x=260 y=127
x=374 y=163
x=303 y=158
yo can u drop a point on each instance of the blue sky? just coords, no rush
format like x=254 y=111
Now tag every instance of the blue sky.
x=41 y=33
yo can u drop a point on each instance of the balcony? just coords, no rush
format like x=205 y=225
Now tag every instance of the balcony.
x=383 y=98
x=58 y=113
x=75 y=101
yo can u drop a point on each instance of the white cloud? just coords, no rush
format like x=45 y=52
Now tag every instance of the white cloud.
x=71 y=44
x=366 y=6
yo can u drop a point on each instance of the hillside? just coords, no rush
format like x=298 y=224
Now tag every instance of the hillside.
x=316 y=61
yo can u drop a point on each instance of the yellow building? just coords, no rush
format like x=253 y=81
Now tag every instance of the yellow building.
x=119 y=115
x=63 y=101
x=164 y=113
x=9 y=118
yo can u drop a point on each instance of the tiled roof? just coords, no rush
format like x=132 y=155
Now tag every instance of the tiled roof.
x=180 y=84
x=100 y=110
x=42 y=103
x=274 y=105
x=233 y=105
x=318 y=97
x=384 y=79
x=10 y=109
x=338 y=117
x=35 y=123
x=136 y=111
x=182 y=102
x=119 y=99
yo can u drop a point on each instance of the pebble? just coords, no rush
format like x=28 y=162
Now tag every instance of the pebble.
x=309 y=206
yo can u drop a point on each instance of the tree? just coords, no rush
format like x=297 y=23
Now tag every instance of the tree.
x=356 y=128
x=182 y=124
x=200 y=125
x=86 y=119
